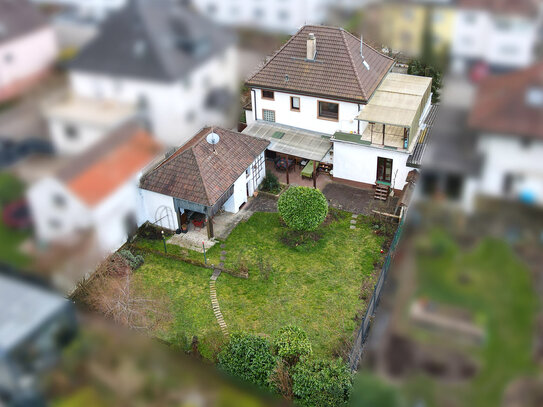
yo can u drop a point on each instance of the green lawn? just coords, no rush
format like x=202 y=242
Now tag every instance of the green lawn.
x=500 y=293
x=315 y=285
x=11 y=189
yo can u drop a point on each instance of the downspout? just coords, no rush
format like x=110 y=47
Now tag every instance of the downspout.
x=254 y=104
x=358 y=120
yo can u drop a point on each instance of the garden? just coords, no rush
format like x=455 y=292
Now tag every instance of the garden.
x=314 y=273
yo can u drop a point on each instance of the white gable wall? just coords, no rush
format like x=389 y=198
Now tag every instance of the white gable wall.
x=54 y=221
x=306 y=118
x=158 y=209
x=87 y=135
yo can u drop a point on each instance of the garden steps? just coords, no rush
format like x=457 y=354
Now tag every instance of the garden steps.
x=215 y=303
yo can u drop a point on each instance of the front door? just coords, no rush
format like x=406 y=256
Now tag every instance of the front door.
x=384 y=170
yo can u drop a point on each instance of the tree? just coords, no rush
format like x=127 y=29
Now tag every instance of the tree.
x=302 y=208
x=420 y=68
x=320 y=383
x=248 y=357
x=291 y=343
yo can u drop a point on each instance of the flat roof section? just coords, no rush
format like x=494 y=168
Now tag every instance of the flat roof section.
x=291 y=140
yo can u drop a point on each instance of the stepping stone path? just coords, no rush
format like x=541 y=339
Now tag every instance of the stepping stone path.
x=354 y=218
x=215 y=302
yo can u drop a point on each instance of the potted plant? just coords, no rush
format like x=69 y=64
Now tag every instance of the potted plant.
x=184 y=228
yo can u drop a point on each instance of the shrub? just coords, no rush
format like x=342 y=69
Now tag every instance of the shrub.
x=302 y=208
x=270 y=183
x=320 y=383
x=248 y=357
x=291 y=343
x=134 y=261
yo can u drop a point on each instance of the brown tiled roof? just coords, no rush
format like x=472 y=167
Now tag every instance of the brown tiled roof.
x=527 y=8
x=501 y=104
x=202 y=173
x=338 y=71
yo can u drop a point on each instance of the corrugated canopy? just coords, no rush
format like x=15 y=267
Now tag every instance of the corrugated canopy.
x=292 y=141
x=398 y=100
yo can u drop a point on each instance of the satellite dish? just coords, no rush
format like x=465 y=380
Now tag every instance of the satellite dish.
x=213 y=138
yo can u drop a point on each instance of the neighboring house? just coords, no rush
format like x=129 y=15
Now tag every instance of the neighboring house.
x=176 y=67
x=502 y=34
x=75 y=124
x=508 y=116
x=28 y=47
x=217 y=169
x=96 y=193
x=310 y=101
x=35 y=325
x=272 y=15
x=402 y=24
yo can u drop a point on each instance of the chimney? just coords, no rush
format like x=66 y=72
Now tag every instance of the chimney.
x=311 y=47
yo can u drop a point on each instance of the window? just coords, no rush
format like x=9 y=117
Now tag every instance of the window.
x=470 y=18
x=384 y=170
x=268 y=115
x=453 y=187
x=295 y=103
x=191 y=115
x=248 y=172
x=71 y=132
x=258 y=13
x=268 y=94
x=59 y=200
x=211 y=8
x=283 y=15
x=8 y=58
x=328 y=111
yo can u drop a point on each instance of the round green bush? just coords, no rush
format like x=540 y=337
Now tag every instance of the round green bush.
x=322 y=383
x=291 y=343
x=302 y=208
x=248 y=357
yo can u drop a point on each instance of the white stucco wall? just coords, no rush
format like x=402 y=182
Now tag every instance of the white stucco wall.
x=51 y=220
x=306 y=118
x=26 y=56
x=158 y=209
x=93 y=9
x=510 y=155
x=87 y=135
x=176 y=110
x=359 y=163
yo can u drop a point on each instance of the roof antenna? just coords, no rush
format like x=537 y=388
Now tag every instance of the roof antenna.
x=362 y=53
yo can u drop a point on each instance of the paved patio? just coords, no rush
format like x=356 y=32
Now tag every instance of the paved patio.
x=295 y=177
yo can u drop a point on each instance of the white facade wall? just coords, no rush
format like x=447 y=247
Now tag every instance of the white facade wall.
x=158 y=209
x=176 y=110
x=502 y=41
x=53 y=220
x=306 y=118
x=511 y=155
x=26 y=56
x=109 y=216
x=272 y=15
x=87 y=135
x=93 y=9
x=359 y=163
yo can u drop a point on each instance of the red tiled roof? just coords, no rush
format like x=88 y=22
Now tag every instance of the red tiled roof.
x=200 y=172
x=116 y=166
x=527 y=8
x=338 y=71
x=501 y=104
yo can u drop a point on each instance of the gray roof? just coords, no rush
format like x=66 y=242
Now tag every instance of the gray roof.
x=24 y=309
x=18 y=18
x=160 y=40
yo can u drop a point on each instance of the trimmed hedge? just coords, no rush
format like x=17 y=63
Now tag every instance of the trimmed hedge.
x=302 y=208
x=291 y=343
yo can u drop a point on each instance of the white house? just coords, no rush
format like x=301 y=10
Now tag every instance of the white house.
x=217 y=169
x=272 y=15
x=28 y=47
x=96 y=193
x=502 y=34
x=176 y=67
x=327 y=97
x=508 y=116
x=95 y=10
